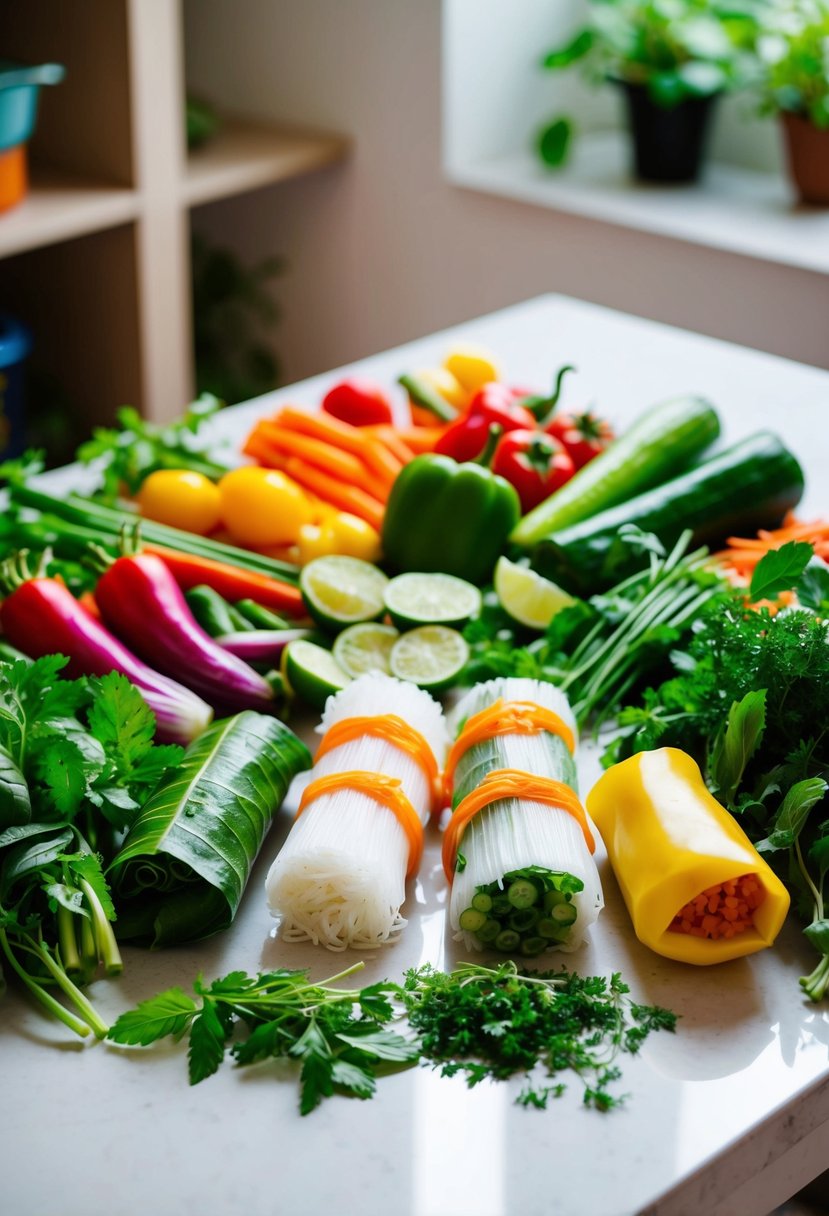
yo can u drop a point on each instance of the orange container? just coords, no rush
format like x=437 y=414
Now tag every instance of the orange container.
x=13 y=176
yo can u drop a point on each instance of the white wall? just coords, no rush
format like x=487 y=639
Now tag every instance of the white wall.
x=384 y=250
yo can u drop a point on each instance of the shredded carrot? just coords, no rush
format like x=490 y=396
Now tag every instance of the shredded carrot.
x=723 y=910
x=743 y=553
x=344 y=497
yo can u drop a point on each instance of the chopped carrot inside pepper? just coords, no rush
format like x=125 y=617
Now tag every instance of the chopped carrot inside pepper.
x=723 y=910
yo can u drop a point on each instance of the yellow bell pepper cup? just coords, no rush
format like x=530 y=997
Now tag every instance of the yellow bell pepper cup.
x=695 y=887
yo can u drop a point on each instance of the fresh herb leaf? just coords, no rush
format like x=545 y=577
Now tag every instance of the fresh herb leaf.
x=207 y=1044
x=737 y=743
x=779 y=569
x=169 y=1014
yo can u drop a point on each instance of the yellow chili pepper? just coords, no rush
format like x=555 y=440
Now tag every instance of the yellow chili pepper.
x=677 y=853
x=447 y=385
x=472 y=365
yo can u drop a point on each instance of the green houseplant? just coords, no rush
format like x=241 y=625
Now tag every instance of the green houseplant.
x=672 y=58
x=794 y=50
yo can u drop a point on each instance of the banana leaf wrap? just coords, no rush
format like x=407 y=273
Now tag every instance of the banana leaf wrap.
x=183 y=867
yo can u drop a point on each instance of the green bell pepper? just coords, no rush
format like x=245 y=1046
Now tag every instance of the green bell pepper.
x=449 y=517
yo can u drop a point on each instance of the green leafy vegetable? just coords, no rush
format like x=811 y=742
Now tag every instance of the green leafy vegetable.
x=337 y=1035
x=494 y=1023
x=484 y=1023
x=779 y=569
x=183 y=867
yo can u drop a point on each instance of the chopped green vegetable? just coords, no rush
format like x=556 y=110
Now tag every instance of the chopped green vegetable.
x=511 y=917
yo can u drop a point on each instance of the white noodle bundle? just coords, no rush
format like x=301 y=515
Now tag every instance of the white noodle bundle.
x=340 y=878
x=517 y=833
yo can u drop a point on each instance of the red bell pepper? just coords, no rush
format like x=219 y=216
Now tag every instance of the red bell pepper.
x=535 y=463
x=494 y=404
x=583 y=435
x=358 y=401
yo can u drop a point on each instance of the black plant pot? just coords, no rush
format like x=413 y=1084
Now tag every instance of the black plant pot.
x=668 y=144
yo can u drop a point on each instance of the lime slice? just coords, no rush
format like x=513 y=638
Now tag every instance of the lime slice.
x=527 y=597
x=340 y=591
x=313 y=673
x=431 y=599
x=431 y=656
x=365 y=647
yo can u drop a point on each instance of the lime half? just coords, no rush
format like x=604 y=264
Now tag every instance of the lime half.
x=432 y=656
x=365 y=647
x=527 y=597
x=431 y=599
x=313 y=673
x=340 y=591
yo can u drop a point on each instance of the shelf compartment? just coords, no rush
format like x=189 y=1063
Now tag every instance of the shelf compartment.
x=245 y=155
x=60 y=206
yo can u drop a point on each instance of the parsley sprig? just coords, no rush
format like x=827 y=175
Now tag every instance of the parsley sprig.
x=337 y=1035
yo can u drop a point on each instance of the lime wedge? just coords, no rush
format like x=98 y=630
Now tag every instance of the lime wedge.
x=527 y=597
x=432 y=656
x=365 y=647
x=312 y=672
x=340 y=591
x=431 y=599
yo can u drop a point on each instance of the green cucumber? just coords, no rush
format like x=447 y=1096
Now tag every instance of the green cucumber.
x=748 y=486
x=659 y=445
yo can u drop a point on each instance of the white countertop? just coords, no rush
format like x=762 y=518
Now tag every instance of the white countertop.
x=728 y=1117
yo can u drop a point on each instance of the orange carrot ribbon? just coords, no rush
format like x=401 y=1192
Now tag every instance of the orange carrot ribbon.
x=399 y=734
x=383 y=789
x=505 y=718
x=510 y=783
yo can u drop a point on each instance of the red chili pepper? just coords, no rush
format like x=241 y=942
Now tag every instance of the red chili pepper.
x=494 y=404
x=535 y=463
x=141 y=602
x=231 y=582
x=583 y=435
x=360 y=402
x=40 y=616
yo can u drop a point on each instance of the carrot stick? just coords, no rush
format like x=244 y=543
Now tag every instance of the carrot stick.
x=231 y=582
x=344 y=497
x=420 y=439
x=324 y=455
x=390 y=437
x=350 y=438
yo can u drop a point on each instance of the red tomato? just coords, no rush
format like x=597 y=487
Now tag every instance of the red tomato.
x=583 y=435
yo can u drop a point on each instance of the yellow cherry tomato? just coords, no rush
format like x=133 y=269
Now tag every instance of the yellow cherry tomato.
x=472 y=366
x=355 y=538
x=263 y=506
x=181 y=499
x=341 y=533
x=448 y=386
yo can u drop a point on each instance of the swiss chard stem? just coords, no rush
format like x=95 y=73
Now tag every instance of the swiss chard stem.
x=816 y=984
x=67 y=941
x=84 y=1007
x=107 y=946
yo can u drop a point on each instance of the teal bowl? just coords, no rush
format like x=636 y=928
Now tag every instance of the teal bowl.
x=19 y=88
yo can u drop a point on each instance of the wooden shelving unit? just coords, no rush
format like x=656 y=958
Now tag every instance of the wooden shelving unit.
x=96 y=260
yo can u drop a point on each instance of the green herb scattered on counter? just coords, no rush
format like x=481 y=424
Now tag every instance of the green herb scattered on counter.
x=494 y=1023
x=749 y=699
x=487 y=1023
x=337 y=1035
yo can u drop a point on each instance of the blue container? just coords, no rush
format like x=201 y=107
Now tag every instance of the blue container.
x=19 y=88
x=15 y=345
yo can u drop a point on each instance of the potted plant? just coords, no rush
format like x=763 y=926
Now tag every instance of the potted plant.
x=794 y=49
x=672 y=59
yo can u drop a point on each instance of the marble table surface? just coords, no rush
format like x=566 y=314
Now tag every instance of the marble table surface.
x=728 y=1117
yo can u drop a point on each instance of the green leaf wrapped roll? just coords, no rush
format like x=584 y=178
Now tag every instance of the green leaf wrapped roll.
x=183 y=867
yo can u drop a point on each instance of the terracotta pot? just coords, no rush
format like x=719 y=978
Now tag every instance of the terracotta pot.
x=668 y=144
x=808 y=152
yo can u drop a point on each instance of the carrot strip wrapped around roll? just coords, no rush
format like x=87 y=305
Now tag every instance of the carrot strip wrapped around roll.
x=517 y=849
x=340 y=878
x=695 y=887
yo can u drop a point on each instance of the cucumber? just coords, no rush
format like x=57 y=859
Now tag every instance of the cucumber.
x=748 y=486
x=659 y=445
